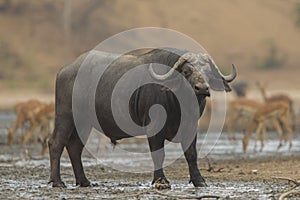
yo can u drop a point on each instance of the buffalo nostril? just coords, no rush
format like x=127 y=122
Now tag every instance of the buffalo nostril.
x=197 y=88
x=200 y=88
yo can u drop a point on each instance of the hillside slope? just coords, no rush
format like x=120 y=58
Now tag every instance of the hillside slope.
x=34 y=43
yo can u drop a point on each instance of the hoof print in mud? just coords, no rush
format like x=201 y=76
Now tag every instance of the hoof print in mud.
x=161 y=184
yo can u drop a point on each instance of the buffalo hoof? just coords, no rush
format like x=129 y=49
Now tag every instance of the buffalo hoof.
x=199 y=183
x=58 y=184
x=87 y=184
x=161 y=184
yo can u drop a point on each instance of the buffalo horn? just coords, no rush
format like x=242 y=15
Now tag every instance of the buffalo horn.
x=163 y=77
x=231 y=76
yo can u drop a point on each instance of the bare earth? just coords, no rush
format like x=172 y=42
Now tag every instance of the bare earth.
x=24 y=175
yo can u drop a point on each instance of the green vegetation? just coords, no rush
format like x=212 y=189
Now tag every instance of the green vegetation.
x=272 y=60
x=12 y=84
x=297 y=14
x=44 y=85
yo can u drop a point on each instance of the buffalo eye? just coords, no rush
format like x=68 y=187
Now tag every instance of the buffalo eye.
x=186 y=72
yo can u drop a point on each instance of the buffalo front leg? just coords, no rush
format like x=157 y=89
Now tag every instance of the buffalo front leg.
x=190 y=154
x=74 y=148
x=156 y=145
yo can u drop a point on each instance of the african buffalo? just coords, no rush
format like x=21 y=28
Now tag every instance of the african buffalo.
x=189 y=73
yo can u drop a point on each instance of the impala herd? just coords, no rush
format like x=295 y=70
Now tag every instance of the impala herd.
x=37 y=114
x=276 y=111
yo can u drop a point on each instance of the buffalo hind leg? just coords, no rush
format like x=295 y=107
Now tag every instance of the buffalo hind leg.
x=156 y=145
x=63 y=129
x=190 y=154
x=55 y=150
x=74 y=148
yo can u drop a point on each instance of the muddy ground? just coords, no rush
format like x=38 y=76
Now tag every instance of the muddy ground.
x=229 y=173
x=24 y=175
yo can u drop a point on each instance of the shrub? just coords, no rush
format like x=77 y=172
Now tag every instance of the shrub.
x=272 y=59
x=297 y=9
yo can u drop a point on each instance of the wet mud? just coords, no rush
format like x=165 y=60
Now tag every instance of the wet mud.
x=229 y=173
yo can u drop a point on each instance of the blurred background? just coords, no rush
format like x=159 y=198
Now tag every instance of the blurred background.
x=37 y=38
